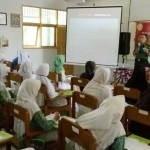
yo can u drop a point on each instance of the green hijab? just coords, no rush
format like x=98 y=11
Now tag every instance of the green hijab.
x=58 y=64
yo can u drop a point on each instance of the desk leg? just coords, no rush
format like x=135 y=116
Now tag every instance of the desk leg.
x=8 y=146
x=115 y=78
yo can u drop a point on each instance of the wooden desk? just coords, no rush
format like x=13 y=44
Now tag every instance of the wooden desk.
x=6 y=138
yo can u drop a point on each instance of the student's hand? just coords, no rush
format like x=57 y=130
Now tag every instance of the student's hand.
x=57 y=116
x=135 y=52
x=145 y=50
x=61 y=92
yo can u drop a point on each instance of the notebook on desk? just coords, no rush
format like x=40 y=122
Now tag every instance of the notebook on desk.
x=51 y=117
x=4 y=135
x=67 y=93
x=134 y=142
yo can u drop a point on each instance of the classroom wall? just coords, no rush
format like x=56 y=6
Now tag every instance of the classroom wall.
x=14 y=35
x=125 y=17
x=124 y=3
x=139 y=11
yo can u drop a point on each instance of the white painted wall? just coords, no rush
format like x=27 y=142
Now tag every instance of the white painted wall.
x=125 y=17
x=140 y=10
x=14 y=35
x=124 y=3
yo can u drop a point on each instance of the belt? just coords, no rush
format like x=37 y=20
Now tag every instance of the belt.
x=140 y=59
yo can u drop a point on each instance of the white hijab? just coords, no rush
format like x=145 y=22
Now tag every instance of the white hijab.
x=25 y=70
x=97 y=86
x=22 y=56
x=26 y=98
x=3 y=67
x=42 y=73
x=2 y=57
x=3 y=72
x=104 y=122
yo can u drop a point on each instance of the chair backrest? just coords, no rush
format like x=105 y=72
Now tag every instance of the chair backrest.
x=18 y=67
x=8 y=64
x=18 y=112
x=53 y=76
x=76 y=134
x=43 y=89
x=22 y=114
x=14 y=77
x=84 y=99
x=78 y=82
x=127 y=92
x=135 y=114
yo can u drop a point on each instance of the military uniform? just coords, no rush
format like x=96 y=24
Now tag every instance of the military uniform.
x=141 y=56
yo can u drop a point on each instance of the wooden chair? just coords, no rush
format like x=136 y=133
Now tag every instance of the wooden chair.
x=22 y=114
x=127 y=92
x=78 y=82
x=85 y=100
x=8 y=64
x=18 y=67
x=53 y=76
x=47 y=109
x=14 y=77
x=76 y=134
x=2 y=120
x=135 y=114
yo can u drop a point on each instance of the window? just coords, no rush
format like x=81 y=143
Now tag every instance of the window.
x=61 y=17
x=39 y=26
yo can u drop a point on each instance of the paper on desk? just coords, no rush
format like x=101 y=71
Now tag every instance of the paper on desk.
x=141 y=146
x=51 y=117
x=4 y=135
x=131 y=143
x=69 y=118
x=1 y=137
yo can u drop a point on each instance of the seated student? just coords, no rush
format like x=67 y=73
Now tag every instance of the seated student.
x=104 y=123
x=58 y=67
x=143 y=104
x=26 y=98
x=97 y=87
x=5 y=95
x=2 y=57
x=26 y=70
x=89 y=71
x=42 y=73
x=21 y=57
x=5 y=69
x=138 y=79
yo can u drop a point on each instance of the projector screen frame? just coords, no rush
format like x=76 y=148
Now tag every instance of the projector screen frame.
x=119 y=32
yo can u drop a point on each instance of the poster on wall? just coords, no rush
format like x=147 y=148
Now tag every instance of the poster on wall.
x=3 y=18
x=142 y=28
x=4 y=43
x=15 y=20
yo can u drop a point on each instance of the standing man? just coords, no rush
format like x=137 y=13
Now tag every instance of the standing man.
x=142 y=51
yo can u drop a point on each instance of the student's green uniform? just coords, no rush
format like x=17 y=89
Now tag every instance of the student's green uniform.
x=141 y=56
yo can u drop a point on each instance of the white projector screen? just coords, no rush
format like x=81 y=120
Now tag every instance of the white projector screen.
x=93 y=34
